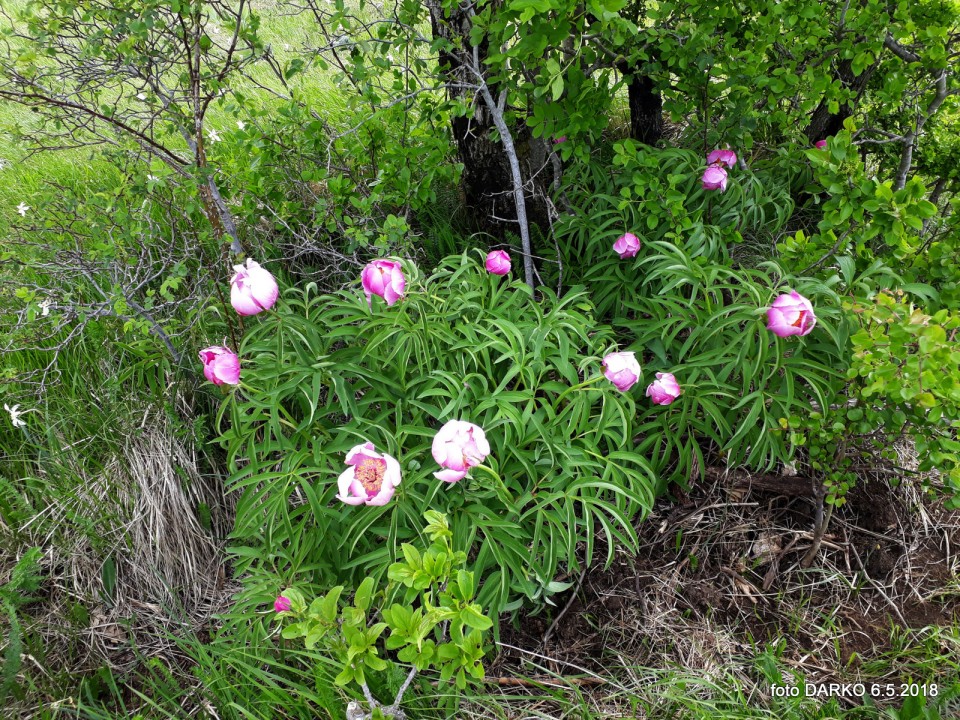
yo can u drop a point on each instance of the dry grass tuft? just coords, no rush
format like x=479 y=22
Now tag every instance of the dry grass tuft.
x=136 y=560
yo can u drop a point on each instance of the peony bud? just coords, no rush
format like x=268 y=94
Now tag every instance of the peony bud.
x=457 y=447
x=622 y=369
x=220 y=365
x=498 y=262
x=252 y=289
x=627 y=245
x=383 y=278
x=722 y=157
x=715 y=178
x=282 y=604
x=664 y=390
x=791 y=314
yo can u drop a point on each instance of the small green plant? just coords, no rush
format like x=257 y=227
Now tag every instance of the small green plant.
x=15 y=593
x=436 y=627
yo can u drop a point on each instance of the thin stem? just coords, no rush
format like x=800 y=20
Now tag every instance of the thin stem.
x=821 y=521
x=506 y=491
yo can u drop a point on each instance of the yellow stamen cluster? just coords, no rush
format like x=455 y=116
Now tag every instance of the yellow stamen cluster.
x=370 y=473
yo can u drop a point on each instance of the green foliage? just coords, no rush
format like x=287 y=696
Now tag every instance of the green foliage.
x=436 y=627
x=905 y=363
x=327 y=373
x=861 y=216
x=657 y=195
x=706 y=324
x=16 y=592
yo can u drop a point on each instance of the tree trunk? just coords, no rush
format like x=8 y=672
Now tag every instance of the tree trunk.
x=646 y=107
x=823 y=123
x=487 y=181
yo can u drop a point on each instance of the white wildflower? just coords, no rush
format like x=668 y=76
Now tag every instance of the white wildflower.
x=141 y=96
x=241 y=124
x=15 y=415
x=22 y=209
x=45 y=307
x=153 y=178
x=213 y=135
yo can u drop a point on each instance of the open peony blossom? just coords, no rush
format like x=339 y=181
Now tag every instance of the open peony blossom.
x=622 y=369
x=252 y=289
x=384 y=278
x=220 y=365
x=498 y=262
x=791 y=314
x=627 y=245
x=282 y=604
x=820 y=144
x=457 y=447
x=715 y=178
x=722 y=157
x=370 y=479
x=664 y=390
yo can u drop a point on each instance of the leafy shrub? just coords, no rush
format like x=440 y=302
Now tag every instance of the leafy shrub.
x=328 y=372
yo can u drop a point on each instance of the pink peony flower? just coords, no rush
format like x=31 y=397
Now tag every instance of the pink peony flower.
x=722 y=157
x=498 y=262
x=627 y=245
x=282 y=604
x=220 y=365
x=791 y=314
x=457 y=447
x=370 y=479
x=664 y=390
x=715 y=178
x=562 y=138
x=820 y=144
x=252 y=289
x=383 y=278
x=622 y=369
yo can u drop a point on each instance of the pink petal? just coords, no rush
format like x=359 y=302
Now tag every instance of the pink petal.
x=450 y=476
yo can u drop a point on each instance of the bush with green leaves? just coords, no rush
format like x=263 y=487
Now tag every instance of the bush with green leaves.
x=861 y=215
x=326 y=372
x=907 y=366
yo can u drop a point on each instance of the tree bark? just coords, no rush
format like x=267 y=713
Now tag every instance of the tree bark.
x=824 y=123
x=646 y=106
x=487 y=180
